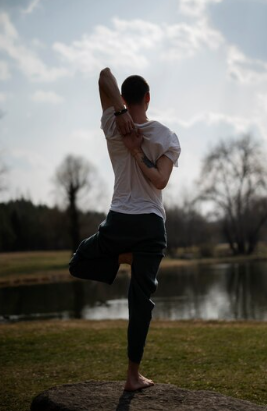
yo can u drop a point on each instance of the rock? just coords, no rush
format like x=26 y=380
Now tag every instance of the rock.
x=109 y=396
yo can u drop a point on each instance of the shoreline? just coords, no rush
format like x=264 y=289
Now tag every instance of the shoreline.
x=47 y=275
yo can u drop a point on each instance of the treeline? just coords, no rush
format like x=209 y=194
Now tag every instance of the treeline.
x=232 y=182
x=187 y=228
x=25 y=226
x=28 y=227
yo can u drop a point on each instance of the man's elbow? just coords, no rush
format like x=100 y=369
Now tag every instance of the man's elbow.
x=103 y=74
x=161 y=183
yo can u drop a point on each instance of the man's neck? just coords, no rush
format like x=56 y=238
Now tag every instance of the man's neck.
x=138 y=114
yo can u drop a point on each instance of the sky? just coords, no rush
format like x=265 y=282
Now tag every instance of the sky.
x=205 y=62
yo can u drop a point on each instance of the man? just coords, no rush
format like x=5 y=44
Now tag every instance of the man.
x=142 y=154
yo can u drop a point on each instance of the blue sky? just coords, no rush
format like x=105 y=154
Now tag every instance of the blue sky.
x=205 y=61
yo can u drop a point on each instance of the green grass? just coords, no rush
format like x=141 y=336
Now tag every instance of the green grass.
x=32 y=262
x=229 y=358
x=32 y=266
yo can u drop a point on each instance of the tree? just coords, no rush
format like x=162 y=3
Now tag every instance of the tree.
x=233 y=179
x=3 y=168
x=25 y=226
x=186 y=228
x=3 y=171
x=75 y=176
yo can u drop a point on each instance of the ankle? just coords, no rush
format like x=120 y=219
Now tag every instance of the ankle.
x=133 y=369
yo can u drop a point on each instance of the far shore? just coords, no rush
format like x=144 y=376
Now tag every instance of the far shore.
x=52 y=266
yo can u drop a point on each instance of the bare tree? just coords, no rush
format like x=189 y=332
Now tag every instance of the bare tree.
x=75 y=176
x=3 y=168
x=3 y=171
x=233 y=179
x=186 y=228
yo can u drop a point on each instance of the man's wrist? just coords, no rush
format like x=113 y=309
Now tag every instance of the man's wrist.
x=118 y=104
x=120 y=112
x=136 y=152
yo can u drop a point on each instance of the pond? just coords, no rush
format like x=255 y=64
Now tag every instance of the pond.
x=209 y=292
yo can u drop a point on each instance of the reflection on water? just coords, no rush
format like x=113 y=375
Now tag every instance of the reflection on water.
x=221 y=291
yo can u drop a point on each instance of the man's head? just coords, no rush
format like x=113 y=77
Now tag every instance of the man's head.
x=135 y=90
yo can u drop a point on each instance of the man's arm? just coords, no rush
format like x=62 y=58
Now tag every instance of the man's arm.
x=158 y=173
x=110 y=97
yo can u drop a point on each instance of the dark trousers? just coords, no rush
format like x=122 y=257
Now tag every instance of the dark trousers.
x=97 y=259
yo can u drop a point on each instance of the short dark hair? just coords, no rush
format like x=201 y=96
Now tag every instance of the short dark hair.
x=133 y=89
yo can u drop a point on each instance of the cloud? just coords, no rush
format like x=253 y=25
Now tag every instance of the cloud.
x=30 y=158
x=93 y=138
x=240 y=125
x=195 y=8
x=8 y=30
x=47 y=97
x=27 y=61
x=128 y=44
x=235 y=124
x=186 y=40
x=3 y=97
x=38 y=44
x=4 y=70
x=262 y=102
x=245 y=69
x=31 y=7
x=120 y=46
x=240 y=67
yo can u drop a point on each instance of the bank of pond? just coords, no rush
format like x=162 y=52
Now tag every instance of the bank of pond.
x=228 y=291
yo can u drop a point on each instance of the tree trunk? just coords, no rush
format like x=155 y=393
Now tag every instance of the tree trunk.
x=74 y=222
x=228 y=235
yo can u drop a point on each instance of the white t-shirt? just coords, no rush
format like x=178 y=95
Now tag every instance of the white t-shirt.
x=133 y=192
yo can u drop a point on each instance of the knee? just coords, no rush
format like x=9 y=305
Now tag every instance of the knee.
x=151 y=286
x=144 y=286
x=74 y=265
x=154 y=286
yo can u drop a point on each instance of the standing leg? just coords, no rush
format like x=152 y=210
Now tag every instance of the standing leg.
x=143 y=284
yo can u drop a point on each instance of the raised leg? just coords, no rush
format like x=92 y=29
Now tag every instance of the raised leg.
x=91 y=263
x=126 y=258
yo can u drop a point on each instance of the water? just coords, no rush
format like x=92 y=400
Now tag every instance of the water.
x=208 y=292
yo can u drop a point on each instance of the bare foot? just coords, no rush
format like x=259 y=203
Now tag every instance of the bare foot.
x=126 y=258
x=134 y=383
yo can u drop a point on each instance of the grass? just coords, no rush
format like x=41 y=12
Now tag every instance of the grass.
x=30 y=262
x=39 y=265
x=229 y=358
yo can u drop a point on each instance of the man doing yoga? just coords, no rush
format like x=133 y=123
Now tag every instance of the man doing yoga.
x=142 y=154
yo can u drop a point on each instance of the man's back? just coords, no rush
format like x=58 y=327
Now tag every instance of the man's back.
x=133 y=192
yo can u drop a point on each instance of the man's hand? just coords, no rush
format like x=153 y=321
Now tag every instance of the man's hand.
x=133 y=140
x=158 y=173
x=124 y=123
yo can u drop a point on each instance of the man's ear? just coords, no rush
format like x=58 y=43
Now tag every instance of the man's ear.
x=124 y=102
x=147 y=97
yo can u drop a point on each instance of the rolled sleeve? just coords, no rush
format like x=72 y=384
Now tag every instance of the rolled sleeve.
x=174 y=150
x=108 y=123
